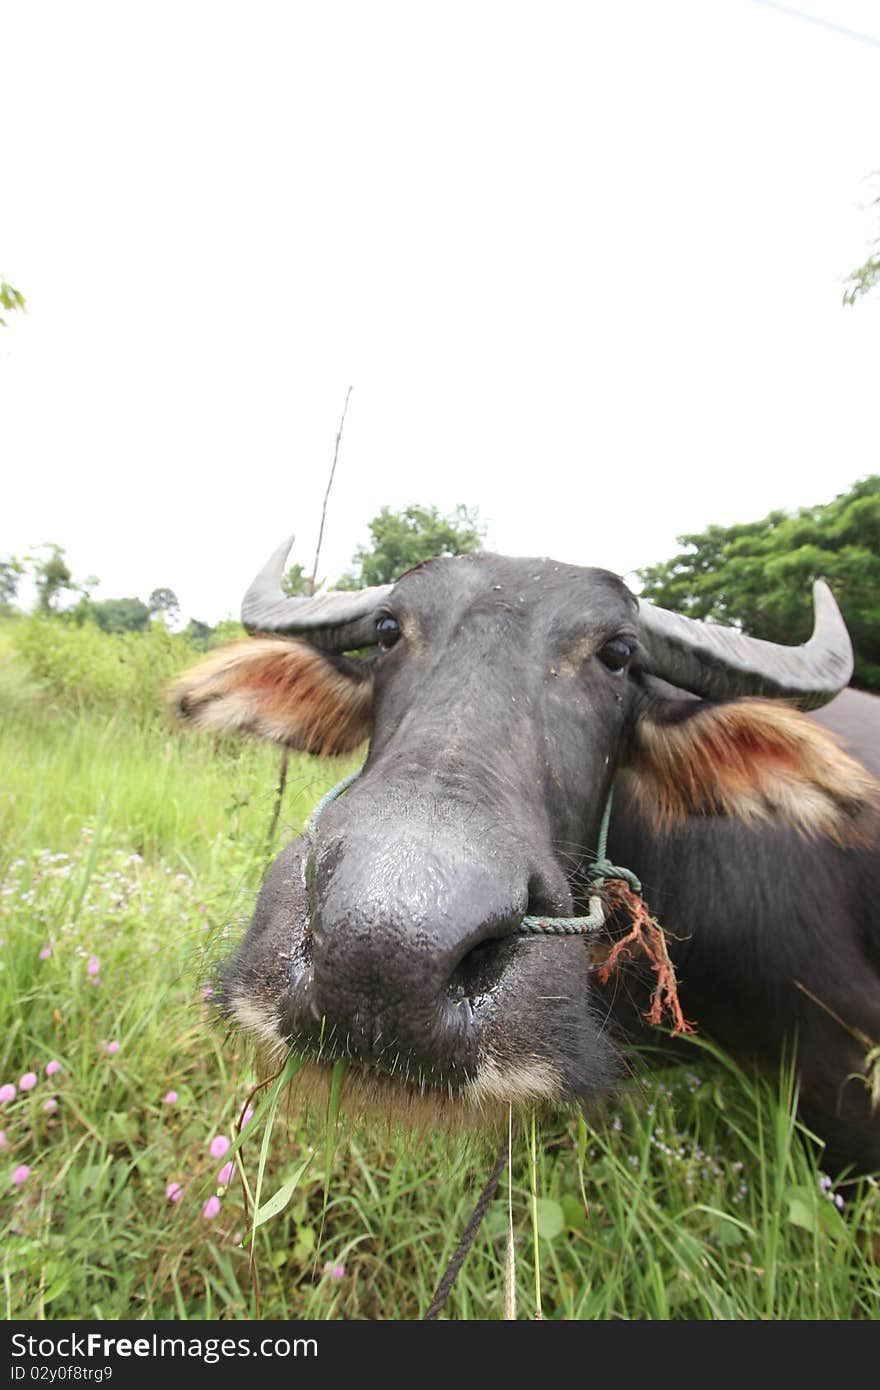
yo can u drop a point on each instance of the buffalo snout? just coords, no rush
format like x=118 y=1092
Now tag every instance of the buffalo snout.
x=410 y=933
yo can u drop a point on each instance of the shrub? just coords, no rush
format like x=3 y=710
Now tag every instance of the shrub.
x=81 y=666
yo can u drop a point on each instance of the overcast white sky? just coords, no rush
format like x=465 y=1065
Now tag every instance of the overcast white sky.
x=581 y=262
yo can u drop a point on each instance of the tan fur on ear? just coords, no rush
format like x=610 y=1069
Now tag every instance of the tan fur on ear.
x=284 y=691
x=754 y=760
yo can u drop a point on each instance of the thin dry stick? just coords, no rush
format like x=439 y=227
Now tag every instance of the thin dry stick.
x=854 y=1032
x=279 y=797
x=870 y=1073
x=327 y=493
x=285 y=755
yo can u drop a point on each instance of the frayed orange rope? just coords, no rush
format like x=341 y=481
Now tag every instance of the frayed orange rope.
x=646 y=935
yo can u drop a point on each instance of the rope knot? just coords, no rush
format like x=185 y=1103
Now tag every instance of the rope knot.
x=603 y=868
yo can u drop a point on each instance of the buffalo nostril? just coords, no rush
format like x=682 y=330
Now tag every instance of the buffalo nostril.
x=545 y=899
x=481 y=969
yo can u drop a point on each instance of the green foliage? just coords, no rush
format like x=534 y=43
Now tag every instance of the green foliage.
x=52 y=577
x=866 y=276
x=863 y=279
x=11 y=571
x=203 y=638
x=758 y=574
x=295 y=582
x=10 y=299
x=227 y=630
x=105 y=740
x=199 y=634
x=403 y=539
x=83 y=666
x=120 y=614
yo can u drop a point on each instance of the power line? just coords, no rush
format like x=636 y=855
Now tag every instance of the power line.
x=821 y=23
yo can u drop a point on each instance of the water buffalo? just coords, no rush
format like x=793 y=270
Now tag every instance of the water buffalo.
x=502 y=698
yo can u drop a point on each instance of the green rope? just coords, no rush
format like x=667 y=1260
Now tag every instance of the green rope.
x=333 y=793
x=598 y=872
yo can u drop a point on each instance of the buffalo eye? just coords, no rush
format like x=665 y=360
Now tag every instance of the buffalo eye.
x=387 y=631
x=615 y=653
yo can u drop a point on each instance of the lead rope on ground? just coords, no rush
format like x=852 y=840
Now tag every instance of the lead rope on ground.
x=467 y=1240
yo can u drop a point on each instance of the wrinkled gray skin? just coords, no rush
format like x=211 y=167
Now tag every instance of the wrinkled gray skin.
x=497 y=730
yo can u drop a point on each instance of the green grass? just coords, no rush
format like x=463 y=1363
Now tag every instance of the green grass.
x=126 y=843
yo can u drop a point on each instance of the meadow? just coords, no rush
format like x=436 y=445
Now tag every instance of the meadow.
x=129 y=860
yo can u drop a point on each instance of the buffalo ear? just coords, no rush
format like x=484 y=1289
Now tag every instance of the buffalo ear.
x=753 y=759
x=286 y=691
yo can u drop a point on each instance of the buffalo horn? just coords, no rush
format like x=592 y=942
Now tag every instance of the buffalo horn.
x=336 y=621
x=721 y=662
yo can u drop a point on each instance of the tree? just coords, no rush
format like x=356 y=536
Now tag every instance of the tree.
x=199 y=634
x=295 y=582
x=11 y=571
x=163 y=602
x=866 y=276
x=757 y=574
x=120 y=614
x=52 y=577
x=403 y=539
x=10 y=299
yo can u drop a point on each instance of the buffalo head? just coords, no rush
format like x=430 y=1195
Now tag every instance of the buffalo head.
x=501 y=697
